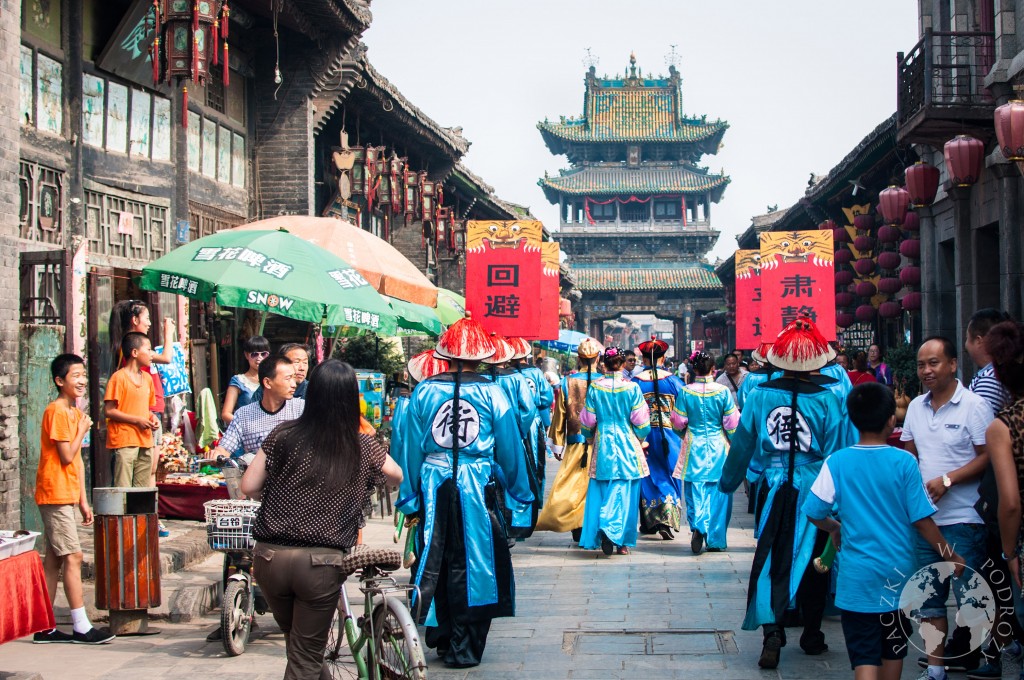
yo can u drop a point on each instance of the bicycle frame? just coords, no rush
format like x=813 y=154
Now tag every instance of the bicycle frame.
x=373 y=588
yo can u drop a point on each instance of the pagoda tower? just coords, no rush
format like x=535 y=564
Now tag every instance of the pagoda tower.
x=635 y=205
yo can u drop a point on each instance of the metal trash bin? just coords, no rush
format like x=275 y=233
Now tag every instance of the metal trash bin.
x=127 y=554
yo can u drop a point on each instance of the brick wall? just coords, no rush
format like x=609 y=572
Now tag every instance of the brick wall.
x=10 y=39
x=284 y=134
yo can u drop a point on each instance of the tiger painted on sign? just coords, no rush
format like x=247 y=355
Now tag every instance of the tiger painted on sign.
x=781 y=247
x=549 y=257
x=748 y=263
x=503 y=234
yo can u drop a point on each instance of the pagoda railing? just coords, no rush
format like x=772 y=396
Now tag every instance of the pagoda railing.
x=946 y=69
x=646 y=227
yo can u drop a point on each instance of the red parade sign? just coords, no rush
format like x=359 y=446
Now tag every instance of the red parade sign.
x=748 y=299
x=797 y=280
x=549 y=292
x=503 y=289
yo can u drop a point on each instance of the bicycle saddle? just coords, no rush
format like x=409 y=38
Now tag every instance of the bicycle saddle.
x=363 y=556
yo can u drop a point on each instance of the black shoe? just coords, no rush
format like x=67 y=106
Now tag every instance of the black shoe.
x=697 y=544
x=714 y=550
x=51 y=637
x=95 y=636
x=667 y=534
x=813 y=644
x=576 y=534
x=216 y=636
x=770 y=652
x=607 y=547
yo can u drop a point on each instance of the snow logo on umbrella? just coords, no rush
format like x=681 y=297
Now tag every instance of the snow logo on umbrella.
x=271 y=300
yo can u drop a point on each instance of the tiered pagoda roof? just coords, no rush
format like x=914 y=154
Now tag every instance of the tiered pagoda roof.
x=615 y=179
x=646 y=277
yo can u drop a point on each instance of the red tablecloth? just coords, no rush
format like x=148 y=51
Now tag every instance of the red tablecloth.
x=24 y=603
x=185 y=501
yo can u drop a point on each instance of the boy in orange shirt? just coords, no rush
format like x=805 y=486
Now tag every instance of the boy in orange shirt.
x=130 y=423
x=60 y=486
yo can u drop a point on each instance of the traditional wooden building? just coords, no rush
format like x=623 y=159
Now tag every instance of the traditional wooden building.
x=635 y=205
x=969 y=61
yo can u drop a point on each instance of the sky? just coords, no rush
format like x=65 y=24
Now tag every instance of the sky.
x=800 y=82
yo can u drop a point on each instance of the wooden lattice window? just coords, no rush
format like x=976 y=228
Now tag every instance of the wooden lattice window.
x=43 y=287
x=215 y=89
x=204 y=220
x=123 y=227
x=41 y=213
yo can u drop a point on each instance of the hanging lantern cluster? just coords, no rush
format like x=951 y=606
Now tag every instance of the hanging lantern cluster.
x=843 y=272
x=189 y=35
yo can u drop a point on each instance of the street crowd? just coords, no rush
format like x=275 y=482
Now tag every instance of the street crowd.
x=806 y=431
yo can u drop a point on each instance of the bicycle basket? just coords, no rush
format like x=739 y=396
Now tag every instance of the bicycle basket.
x=229 y=524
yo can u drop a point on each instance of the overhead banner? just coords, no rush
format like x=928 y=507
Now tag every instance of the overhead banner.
x=503 y=288
x=549 y=292
x=797 y=279
x=748 y=299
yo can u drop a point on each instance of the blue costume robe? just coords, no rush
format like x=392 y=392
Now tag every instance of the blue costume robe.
x=523 y=516
x=705 y=409
x=763 y=441
x=660 y=493
x=464 y=571
x=617 y=420
x=543 y=396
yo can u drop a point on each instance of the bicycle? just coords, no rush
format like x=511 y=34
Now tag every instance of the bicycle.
x=383 y=641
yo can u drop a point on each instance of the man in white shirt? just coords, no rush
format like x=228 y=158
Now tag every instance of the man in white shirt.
x=733 y=375
x=945 y=429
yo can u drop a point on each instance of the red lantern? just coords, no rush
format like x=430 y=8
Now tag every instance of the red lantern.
x=912 y=301
x=844 y=277
x=911 y=248
x=911 y=222
x=889 y=285
x=844 y=256
x=888 y=234
x=922 y=183
x=890 y=309
x=910 y=276
x=844 y=299
x=865 y=313
x=840 y=235
x=893 y=203
x=864 y=266
x=889 y=259
x=863 y=243
x=964 y=155
x=864 y=223
x=866 y=289
x=844 y=319
x=1009 y=119
x=827 y=225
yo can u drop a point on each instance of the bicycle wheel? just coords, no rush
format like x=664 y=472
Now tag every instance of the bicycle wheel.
x=236 y=617
x=337 y=659
x=399 y=655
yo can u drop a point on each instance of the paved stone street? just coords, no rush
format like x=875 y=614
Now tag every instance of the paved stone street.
x=660 y=611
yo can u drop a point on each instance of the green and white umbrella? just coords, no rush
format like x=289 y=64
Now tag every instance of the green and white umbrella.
x=450 y=306
x=414 y=319
x=275 y=272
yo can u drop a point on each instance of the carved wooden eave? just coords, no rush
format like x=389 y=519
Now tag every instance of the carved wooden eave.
x=324 y=20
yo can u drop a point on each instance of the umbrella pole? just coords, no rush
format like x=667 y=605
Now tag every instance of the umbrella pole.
x=263 y=321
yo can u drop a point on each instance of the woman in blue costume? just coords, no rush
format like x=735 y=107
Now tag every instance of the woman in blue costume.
x=788 y=427
x=564 y=507
x=615 y=420
x=543 y=397
x=460 y=429
x=522 y=516
x=660 y=493
x=705 y=410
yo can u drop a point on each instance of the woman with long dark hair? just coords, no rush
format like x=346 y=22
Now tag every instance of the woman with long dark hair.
x=705 y=411
x=315 y=475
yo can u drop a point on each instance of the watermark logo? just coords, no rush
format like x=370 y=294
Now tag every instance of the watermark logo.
x=973 y=608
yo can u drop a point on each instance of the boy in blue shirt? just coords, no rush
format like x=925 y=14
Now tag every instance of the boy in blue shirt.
x=878 y=494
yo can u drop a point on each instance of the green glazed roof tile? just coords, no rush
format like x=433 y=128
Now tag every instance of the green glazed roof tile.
x=597 y=181
x=681 y=277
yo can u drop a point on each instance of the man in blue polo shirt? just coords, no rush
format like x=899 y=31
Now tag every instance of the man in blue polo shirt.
x=945 y=429
x=879 y=495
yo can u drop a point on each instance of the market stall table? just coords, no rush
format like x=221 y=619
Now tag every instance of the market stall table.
x=185 y=501
x=24 y=603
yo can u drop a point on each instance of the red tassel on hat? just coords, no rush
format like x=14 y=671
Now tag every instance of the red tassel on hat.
x=800 y=347
x=426 y=365
x=465 y=339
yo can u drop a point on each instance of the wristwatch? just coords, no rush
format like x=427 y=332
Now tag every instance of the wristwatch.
x=946 y=481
